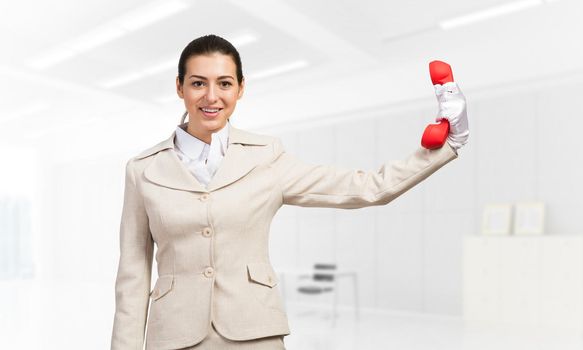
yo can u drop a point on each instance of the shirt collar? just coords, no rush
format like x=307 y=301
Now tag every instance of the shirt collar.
x=193 y=147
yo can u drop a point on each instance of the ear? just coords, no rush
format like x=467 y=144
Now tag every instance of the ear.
x=241 y=89
x=179 y=88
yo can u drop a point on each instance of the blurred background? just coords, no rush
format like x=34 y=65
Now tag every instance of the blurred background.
x=486 y=253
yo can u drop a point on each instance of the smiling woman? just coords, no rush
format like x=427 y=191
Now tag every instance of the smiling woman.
x=210 y=80
x=216 y=287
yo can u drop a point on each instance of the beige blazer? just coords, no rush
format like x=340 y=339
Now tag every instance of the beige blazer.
x=212 y=244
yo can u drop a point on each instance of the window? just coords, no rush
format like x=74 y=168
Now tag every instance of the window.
x=15 y=238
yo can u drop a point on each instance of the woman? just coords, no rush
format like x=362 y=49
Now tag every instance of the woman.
x=216 y=288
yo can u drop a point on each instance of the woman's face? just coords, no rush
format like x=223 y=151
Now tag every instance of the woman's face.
x=210 y=92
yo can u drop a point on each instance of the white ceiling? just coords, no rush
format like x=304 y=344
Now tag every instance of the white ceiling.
x=360 y=53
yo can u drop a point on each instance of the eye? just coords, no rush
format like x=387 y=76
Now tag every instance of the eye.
x=226 y=83
x=197 y=83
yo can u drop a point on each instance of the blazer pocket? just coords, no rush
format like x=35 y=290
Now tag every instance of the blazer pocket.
x=162 y=287
x=263 y=286
x=262 y=273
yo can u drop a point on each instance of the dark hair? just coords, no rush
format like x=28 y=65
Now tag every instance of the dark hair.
x=206 y=45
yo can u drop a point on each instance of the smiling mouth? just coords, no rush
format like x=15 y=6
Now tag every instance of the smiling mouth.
x=210 y=112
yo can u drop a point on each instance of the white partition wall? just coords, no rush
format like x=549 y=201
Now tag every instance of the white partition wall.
x=400 y=249
x=409 y=253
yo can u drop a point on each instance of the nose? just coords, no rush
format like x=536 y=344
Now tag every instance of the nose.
x=211 y=95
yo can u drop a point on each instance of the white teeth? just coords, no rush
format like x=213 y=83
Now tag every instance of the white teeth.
x=210 y=110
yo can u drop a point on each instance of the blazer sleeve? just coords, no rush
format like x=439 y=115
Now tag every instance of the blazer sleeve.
x=132 y=286
x=310 y=185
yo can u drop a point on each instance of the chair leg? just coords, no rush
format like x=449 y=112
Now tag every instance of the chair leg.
x=356 y=306
x=335 y=303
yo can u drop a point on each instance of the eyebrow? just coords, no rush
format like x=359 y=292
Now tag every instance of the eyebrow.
x=201 y=77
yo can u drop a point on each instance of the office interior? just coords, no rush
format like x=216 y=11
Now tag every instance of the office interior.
x=485 y=253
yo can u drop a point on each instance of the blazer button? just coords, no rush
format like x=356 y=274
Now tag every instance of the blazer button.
x=209 y=272
x=204 y=197
x=207 y=232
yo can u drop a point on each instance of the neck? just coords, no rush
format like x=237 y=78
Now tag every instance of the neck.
x=203 y=135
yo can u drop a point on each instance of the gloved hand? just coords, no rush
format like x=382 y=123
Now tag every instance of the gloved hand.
x=452 y=106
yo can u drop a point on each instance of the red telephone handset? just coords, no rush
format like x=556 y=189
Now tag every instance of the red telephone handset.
x=435 y=135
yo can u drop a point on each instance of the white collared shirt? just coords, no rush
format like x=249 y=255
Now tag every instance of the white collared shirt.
x=199 y=157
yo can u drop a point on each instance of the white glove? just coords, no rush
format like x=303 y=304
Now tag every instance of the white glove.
x=452 y=106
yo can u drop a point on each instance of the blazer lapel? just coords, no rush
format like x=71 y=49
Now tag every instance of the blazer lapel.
x=166 y=169
x=238 y=160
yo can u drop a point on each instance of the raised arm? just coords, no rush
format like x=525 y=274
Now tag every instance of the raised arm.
x=310 y=185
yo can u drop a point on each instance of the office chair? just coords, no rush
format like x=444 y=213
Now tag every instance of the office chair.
x=322 y=279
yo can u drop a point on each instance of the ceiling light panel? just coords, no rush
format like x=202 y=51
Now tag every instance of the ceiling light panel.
x=489 y=13
x=112 y=30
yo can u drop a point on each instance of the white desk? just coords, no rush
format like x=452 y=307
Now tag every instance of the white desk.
x=531 y=280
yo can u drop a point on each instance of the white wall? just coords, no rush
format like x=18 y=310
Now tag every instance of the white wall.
x=523 y=146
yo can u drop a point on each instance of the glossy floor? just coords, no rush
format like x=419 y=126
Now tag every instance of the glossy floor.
x=313 y=330
x=66 y=315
